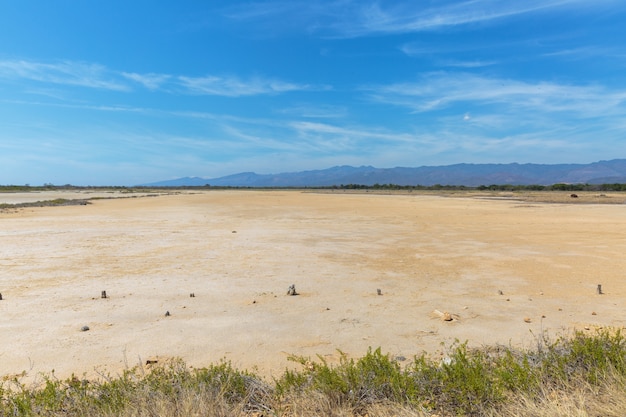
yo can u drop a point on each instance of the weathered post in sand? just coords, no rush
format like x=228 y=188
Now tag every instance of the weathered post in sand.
x=292 y=290
x=0 y=296
x=599 y=289
x=103 y=294
x=379 y=291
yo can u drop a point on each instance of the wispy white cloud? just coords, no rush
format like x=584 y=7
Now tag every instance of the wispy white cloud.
x=341 y=139
x=65 y=72
x=151 y=81
x=325 y=111
x=408 y=18
x=71 y=73
x=235 y=87
x=62 y=103
x=468 y=64
x=590 y=52
x=441 y=90
x=359 y=18
x=347 y=132
x=282 y=135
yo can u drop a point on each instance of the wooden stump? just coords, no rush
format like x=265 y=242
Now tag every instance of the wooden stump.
x=292 y=290
x=379 y=292
x=0 y=296
x=599 y=289
x=103 y=294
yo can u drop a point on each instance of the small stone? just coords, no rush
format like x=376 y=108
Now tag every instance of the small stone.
x=500 y=292
x=84 y=329
x=593 y=313
x=167 y=314
x=527 y=320
x=379 y=291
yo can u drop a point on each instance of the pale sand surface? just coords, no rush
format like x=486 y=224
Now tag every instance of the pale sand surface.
x=239 y=251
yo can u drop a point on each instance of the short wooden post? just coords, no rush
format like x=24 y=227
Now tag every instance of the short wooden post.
x=103 y=294
x=292 y=290
x=599 y=289
x=379 y=292
x=0 y=296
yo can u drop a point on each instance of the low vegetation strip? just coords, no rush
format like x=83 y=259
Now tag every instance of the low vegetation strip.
x=582 y=374
x=47 y=203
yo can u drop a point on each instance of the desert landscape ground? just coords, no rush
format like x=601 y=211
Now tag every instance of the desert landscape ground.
x=507 y=269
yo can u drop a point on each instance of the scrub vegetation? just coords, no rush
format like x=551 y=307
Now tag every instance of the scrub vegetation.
x=583 y=374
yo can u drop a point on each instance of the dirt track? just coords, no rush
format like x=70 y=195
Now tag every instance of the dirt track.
x=238 y=252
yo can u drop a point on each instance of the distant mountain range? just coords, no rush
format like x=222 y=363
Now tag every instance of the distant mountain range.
x=471 y=175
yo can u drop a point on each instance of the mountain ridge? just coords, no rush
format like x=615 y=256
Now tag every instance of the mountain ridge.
x=463 y=174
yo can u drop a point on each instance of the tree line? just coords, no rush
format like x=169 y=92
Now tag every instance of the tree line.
x=492 y=187
x=435 y=187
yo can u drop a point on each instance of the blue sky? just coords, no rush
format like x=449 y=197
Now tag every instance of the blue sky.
x=129 y=92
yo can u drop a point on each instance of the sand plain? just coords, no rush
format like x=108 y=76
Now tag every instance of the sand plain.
x=490 y=262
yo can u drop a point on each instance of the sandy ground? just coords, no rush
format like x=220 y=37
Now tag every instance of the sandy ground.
x=238 y=252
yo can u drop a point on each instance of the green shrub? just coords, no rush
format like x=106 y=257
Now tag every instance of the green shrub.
x=373 y=378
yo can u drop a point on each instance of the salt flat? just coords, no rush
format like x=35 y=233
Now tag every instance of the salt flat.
x=490 y=263
x=36 y=196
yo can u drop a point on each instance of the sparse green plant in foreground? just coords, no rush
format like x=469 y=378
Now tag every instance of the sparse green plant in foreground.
x=582 y=374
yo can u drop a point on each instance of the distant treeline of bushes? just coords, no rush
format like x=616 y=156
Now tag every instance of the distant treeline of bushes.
x=492 y=187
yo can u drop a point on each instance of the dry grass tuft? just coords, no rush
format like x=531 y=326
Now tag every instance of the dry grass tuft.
x=580 y=400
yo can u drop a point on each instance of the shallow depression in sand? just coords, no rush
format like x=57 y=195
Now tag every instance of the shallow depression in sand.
x=489 y=263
